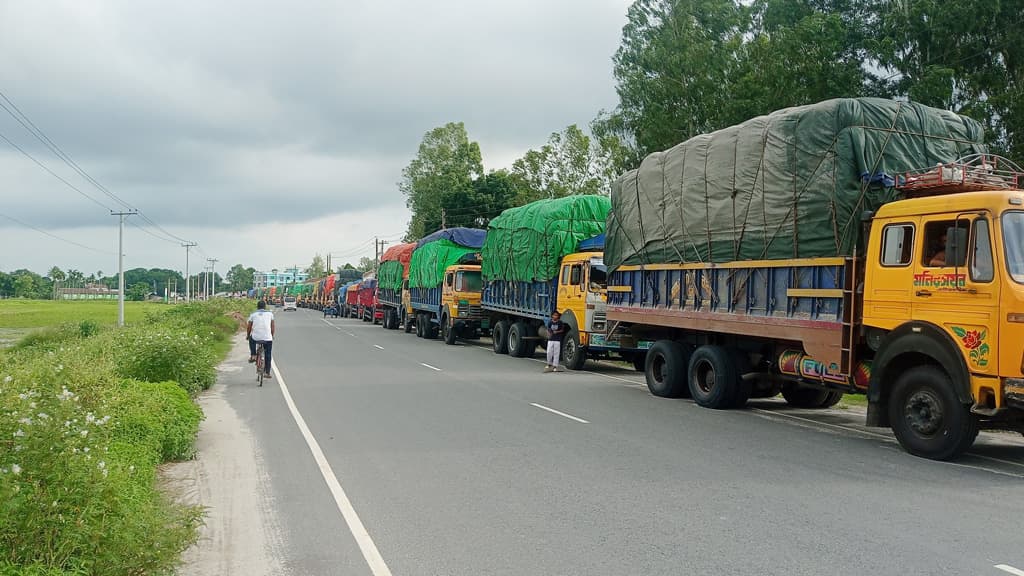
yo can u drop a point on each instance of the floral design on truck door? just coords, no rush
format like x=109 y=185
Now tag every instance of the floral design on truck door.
x=974 y=341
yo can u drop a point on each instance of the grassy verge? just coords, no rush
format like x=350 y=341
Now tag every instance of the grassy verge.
x=19 y=317
x=87 y=413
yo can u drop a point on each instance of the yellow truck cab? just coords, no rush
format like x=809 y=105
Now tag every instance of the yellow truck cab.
x=582 y=287
x=461 y=314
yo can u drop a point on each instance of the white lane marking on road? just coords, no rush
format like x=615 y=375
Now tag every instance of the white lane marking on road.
x=378 y=346
x=563 y=414
x=1009 y=569
x=370 y=553
x=429 y=366
x=350 y=334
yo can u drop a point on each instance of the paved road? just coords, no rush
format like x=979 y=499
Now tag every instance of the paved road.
x=460 y=462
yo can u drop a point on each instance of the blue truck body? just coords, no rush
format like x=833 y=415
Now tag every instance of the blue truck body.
x=425 y=300
x=536 y=300
x=390 y=297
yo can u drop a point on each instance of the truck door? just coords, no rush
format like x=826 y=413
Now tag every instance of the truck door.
x=889 y=276
x=570 y=288
x=955 y=287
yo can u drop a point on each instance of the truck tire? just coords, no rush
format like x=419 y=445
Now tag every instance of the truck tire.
x=499 y=336
x=573 y=355
x=448 y=331
x=927 y=417
x=713 y=377
x=665 y=369
x=804 y=396
x=518 y=345
x=420 y=329
x=406 y=322
x=429 y=328
x=833 y=398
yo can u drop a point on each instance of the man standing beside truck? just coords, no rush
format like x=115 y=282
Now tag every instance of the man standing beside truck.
x=556 y=333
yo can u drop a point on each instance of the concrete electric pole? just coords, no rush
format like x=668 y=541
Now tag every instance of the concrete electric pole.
x=120 y=263
x=213 y=276
x=188 y=282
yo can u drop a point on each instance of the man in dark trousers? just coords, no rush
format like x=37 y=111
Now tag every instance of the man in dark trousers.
x=556 y=333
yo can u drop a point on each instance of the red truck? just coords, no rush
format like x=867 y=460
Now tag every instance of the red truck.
x=369 y=307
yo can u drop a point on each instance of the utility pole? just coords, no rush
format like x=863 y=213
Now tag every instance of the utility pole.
x=213 y=276
x=188 y=282
x=444 y=219
x=378 y=251
x=120 y=263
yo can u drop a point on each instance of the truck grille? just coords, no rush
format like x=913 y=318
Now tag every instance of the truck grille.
x=474 y=312
x=600 y=319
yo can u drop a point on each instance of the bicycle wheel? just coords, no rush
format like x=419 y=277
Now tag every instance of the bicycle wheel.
x=259 y=364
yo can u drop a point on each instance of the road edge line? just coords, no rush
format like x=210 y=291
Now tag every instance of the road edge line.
x=369 y=550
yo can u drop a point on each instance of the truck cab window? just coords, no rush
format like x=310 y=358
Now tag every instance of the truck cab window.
x=598 y=277
x=982 y=267
x=448 y=280
x=576 y=275
x=468 y=282
x=935 y=243
x=565 y=275
x=897 y=244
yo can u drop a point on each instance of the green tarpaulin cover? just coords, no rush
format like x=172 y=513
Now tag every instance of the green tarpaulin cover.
x=527 y=243
x=426 y=269
x=394 y=266
x=785 y=185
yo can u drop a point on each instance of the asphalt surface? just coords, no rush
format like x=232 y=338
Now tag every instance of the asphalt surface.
x=461 y=462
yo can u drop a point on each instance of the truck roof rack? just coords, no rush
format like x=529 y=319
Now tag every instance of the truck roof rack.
x=972 y=173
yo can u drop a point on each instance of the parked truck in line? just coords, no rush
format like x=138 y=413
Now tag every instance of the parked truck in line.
x=543 y=257
x=444 y=286
x=351 y=306
x=392 y=283
x=369 y=311
x=852 y=246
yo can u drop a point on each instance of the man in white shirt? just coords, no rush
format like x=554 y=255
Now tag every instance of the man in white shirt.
x=260 y=330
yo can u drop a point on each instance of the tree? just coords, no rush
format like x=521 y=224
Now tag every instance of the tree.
x=138 y=291
x=239 y=278
x=366 y=264
x=567 y=164
x=348 y=266
x=75 y=278
x=56 y=274
x=24 y=286
x=439 y=180
x=317 y=269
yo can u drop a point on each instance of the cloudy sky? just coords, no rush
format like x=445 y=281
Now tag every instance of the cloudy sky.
x=270 y=131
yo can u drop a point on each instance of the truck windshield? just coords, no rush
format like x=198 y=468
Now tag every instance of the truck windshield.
x=1013 y=244
x=598 y=276
x=468 y=282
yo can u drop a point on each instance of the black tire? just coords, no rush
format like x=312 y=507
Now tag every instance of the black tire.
x=573 y=355
x=927 y=417
x=639 y=362
x=713 y=377
x=805 y=397
x=420 y=328
x=406 y=322
x=518 y=345
x=499 y=335
x=832 y=399
x=665 y=368
x=448 y=332
x=429 y=328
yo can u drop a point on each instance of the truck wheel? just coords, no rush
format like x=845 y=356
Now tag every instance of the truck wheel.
x=448 y=332
x=804 y=396
x=406 y=322
x=420 y=333
x=713 y=379
x=927 y=417
x=499 y=335
x=665 y=369
x=573 y=355
x=832 y=399
x=518 y=345
x=429 y=328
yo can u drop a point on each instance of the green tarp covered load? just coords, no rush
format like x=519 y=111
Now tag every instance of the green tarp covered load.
x=394 y=266
x=525 y=244
x=437 y=252
x=792 y=184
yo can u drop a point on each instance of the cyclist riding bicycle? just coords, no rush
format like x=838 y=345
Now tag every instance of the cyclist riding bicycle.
x=260 y=330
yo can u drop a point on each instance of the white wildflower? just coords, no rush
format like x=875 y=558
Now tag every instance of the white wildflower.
x=15 y=469
x=19 y=433
x=101 y=465
x=44 y=416
x=89 y=418
x=25 y=421
x=8 y=378
x=86 y=449
x=84 y=433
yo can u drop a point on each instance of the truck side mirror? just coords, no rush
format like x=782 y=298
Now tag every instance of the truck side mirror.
x=956 y=246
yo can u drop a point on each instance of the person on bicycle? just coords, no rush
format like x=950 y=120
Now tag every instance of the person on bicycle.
x=260 y=330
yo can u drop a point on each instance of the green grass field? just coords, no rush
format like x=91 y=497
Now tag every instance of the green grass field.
x=19 y=317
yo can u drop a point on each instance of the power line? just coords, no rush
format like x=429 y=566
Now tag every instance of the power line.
x=52 y=173
x=54 y=236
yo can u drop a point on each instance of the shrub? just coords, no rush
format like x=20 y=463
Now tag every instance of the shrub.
x=87 y=328
x=160 y=354
x=158 y=416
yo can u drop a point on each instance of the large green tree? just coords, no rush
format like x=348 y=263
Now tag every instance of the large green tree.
x=239 y=278
x=439 y=180
x=317 y=268
x=567 y=164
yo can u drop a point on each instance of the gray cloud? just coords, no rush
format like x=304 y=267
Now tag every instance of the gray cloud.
x=213 y=114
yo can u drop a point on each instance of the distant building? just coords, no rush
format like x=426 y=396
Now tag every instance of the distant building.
x=90 y=292
x=277 y=277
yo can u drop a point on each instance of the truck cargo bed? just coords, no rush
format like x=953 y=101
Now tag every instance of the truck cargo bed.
x=528 y=299
x=804 y=300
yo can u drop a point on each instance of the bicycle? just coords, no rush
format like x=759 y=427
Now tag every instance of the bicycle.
x=260 y=359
